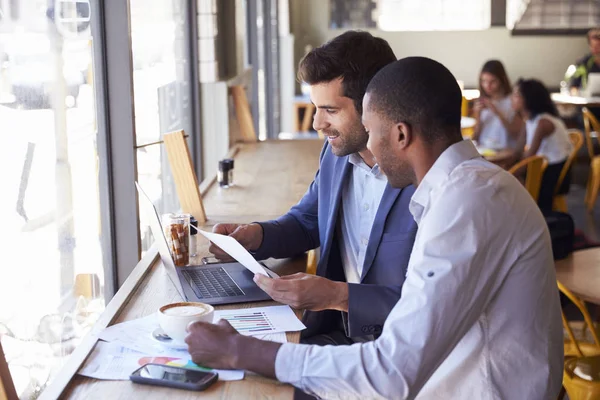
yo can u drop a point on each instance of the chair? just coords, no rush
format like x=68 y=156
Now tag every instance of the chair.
x=186 y=182
x=7 y=388
x=579 y=345
x=578 y=387
x=560 y=200
x=593 y=185
x=592 y=126
x=243 y=114
x=536 y=165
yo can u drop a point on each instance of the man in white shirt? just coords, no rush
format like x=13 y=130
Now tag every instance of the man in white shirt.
x=479 y=315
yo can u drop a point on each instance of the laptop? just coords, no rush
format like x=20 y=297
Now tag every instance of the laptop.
x=224 y=283
x=593 y=85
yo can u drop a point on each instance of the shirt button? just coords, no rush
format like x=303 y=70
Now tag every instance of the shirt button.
x=366 y=207
x=365 y=241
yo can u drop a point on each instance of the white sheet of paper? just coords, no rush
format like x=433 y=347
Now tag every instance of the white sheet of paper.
x=232 y=247
x=259 y=321
x=110 y=361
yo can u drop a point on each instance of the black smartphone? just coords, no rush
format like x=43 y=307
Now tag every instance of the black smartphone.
x=175 y=377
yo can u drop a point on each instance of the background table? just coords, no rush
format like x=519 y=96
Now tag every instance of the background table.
x=580 y=273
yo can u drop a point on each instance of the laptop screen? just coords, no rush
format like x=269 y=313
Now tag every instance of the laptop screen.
x=159 y=239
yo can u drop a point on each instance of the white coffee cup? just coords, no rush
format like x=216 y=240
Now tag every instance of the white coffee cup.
x=174 y=318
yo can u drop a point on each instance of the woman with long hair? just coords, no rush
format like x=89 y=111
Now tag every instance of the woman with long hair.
x=545 y=135
x=497 y=126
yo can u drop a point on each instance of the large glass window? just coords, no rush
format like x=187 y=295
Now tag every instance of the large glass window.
x=411 y=15
x=52 y=263
x=162 y=81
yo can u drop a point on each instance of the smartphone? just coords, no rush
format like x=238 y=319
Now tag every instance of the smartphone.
x=175 y=377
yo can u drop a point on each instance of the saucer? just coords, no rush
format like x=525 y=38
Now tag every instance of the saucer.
x=161 y=337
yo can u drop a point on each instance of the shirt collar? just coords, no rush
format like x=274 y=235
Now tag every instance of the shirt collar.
x=356 y=160
x=451 y=158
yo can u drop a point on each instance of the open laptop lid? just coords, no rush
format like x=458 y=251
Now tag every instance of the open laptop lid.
x=159 y=238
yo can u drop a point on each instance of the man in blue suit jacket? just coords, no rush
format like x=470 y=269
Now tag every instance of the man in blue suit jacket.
x=362 y=224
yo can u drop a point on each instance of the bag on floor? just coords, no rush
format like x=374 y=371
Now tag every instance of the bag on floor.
x=562 y=233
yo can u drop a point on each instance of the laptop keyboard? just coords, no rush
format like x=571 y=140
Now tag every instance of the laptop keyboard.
x=212 y=283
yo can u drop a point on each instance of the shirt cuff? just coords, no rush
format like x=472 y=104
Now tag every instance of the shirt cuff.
x=289 y=363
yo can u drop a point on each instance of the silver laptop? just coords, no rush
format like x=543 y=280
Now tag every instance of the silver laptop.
x=593 y=85
x=225 y=283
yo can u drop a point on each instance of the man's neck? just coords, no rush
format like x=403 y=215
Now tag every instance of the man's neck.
x=367 y=157
x=427 y=157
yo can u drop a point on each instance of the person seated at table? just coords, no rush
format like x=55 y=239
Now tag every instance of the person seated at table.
x=497 y=126
x=545 y=134
x=361 y=224
x=479 y=316
x=590 y=63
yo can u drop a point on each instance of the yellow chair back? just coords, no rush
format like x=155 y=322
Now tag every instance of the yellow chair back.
x=536 y=165
x=575 y=347
x=590 y=124
x=560 y=201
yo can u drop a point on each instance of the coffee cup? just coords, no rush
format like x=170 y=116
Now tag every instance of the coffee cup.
x=174 y=318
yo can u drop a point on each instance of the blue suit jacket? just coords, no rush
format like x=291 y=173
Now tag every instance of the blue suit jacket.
x=312 y=223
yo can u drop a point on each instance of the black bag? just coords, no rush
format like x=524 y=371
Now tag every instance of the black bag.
x=562 y=233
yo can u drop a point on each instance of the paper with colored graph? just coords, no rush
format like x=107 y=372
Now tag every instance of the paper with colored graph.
x=110 y=361
x=232 y=247
x=260 y=320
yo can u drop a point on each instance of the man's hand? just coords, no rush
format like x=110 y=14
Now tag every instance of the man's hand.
x=221 y=346
x=250 y=236
x=304 y=291
x=212 y=345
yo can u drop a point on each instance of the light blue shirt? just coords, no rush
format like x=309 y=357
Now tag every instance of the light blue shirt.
x=361 y=196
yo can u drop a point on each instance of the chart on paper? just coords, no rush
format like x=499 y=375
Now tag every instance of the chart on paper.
x=250 y=322
x=261 y=320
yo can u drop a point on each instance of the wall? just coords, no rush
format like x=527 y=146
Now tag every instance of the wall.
x=543 y=57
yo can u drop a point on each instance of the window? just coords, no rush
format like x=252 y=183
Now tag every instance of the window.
x=556 y=16
x=53 y=264
x=162 y=83
x=410 y=15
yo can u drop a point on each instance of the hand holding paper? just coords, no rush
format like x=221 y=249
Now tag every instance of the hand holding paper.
x=235 y=250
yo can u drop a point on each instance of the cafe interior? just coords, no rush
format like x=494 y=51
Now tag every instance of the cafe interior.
x=172 y=115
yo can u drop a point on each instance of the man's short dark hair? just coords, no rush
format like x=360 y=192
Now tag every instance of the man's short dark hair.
x=421 y=93
x=354 y=56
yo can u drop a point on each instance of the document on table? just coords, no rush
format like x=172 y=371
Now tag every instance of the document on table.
x=260 y=320
x=232 y=247
x=110 y=361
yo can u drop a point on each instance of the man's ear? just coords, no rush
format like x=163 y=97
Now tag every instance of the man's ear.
x=402 y=134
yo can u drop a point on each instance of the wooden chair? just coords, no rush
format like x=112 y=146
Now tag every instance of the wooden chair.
x=581 y=344
x=536 y=165
x=243 y=114
x=7 y=388
x=592 y=127
x=560 y=200
x=184 y=175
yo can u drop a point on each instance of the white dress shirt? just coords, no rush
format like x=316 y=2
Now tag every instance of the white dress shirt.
x=479 y=317
x=361 y=196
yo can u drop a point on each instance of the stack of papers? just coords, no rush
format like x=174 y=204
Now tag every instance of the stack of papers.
x=127 y=346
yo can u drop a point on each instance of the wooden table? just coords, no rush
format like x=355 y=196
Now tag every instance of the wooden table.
x=580 y=273
x=270 y=177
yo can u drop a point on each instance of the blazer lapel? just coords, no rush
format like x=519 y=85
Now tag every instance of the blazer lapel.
x=334 y=205
x=387 y=201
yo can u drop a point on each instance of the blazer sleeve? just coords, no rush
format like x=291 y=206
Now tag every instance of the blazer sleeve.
x=368 y=308
x=298 y=230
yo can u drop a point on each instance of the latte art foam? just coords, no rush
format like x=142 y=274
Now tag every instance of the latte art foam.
x=186 y=311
